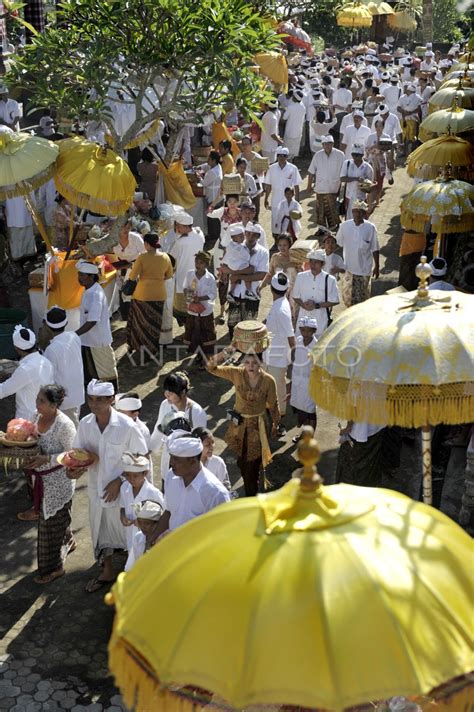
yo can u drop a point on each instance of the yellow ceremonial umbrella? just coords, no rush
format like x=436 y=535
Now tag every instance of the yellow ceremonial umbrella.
x=443 y=203
x=403 y=359
x=467 y=82
x=317 y=597
x=434 y=155
x=378 y=9
x=273 y=66
x=26 y=163
x=403 y=21
x=443 y=98
x=354 y=15
x=454 y=121
x=94 y=177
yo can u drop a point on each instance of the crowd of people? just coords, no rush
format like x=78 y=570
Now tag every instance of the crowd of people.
x=357 y=115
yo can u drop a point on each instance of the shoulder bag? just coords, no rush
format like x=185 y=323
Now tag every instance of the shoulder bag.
x=341 y=197
x=328 y=310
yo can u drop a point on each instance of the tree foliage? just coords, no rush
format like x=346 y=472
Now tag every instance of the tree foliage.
x=172 y=59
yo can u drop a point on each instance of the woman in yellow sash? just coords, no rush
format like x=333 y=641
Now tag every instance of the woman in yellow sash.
x=255 y=391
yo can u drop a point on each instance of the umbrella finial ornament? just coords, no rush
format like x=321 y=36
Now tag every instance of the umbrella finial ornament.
x=423 y=272
x=309 y=455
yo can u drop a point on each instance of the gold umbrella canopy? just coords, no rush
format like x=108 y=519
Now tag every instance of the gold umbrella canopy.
x=434 y=155
x=377 y=9
x=354 y=15
x=94 y=177
x=454 y=121
x=245 y=604
x=443 y=98
x=443 y=203
x=404 y=359
x=26 y=162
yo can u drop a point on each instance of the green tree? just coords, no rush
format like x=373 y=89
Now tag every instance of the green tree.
x=446 y=17
x=169 y=59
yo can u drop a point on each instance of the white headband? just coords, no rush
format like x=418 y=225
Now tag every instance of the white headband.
x=185 y=446
x=135 y=463
x=147 y=510
x=100 y=388
x=87 y=267
x=128 y=403
x=308 y=322
x=56 y=324
x=25 y=343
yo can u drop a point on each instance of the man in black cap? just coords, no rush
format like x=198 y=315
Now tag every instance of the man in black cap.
x=64 y=353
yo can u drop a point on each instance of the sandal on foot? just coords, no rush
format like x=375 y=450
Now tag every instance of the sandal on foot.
x=30 y=515
x=72 y=547
x=96 y=584
x=49 y=577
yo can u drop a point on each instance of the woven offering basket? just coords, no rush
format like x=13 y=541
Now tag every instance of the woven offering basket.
x=251 y=337
x=232 y=184
x=301 y=248
x=13 y=458
x=259 y=165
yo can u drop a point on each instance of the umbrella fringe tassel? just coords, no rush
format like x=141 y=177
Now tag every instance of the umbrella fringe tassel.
x=87 y=202
x=141 y=688
x=25 y=187
x=406 y=406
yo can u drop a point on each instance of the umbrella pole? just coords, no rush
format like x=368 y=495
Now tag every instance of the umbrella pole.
x=437 y=245
x=39 y=223
x=72 y=234
x=426 y=459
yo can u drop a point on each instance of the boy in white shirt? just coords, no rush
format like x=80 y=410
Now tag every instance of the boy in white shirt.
x=287 y=210
x=334 y=263
x=135 y=489
x=237 y=257
x=213 y=463
x=303 y=405
x=147 y=514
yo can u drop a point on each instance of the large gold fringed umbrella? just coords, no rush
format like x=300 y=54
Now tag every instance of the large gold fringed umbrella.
x=443 y=204
x=324 y=598
x=443 y=98
x=454 y=121
x=434 y=155
x=94 y=177
x=404 y=359
x=26 y=163
x=354 y=15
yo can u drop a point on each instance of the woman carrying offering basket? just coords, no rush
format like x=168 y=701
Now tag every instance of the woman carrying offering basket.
x=255 y=392
x=53 y=490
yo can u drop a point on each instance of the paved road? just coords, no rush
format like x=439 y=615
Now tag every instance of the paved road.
x=53 y=652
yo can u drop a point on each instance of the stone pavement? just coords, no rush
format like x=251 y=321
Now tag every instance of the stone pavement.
x=53 y=651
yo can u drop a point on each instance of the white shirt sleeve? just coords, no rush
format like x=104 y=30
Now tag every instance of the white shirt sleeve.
x=312 y=166
x=374 y=242
x=333 y=290
x=296 y=293
x=18 y=380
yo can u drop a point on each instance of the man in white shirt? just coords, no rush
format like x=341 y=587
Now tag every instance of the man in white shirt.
x=409 y=107
x=295 y=117
x=348 y=119
x=392 y=93
x=391 y=123
x=277 y=357
x=33 y=372
x=190 y=488
x=326 y=169
x=428 y=64
x=315 y=291
x=98 y=356
x=64 y=353
x=245 y=307
x=190 y=241
x=9 y=110
x=106 y=434
x=280 y=175
x=270 y=138
x=353 y=171
x=355 y=134
x=342 y=97
x=360 y=245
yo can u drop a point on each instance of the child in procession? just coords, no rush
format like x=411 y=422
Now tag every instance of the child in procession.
x=200 y=289
x=303 y=405
x=148 y=514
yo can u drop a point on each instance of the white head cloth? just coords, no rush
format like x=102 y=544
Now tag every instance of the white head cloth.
x=237 y=229
x=56 y=324
x=100 y=388
x=135 y=463
x=280 y=282
x=183 y=218
x=318 y=255
x=26 y=341
x=87 y=267
x=184 y=446
x=127 y=403
x=308 y=322
x=147 y=510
